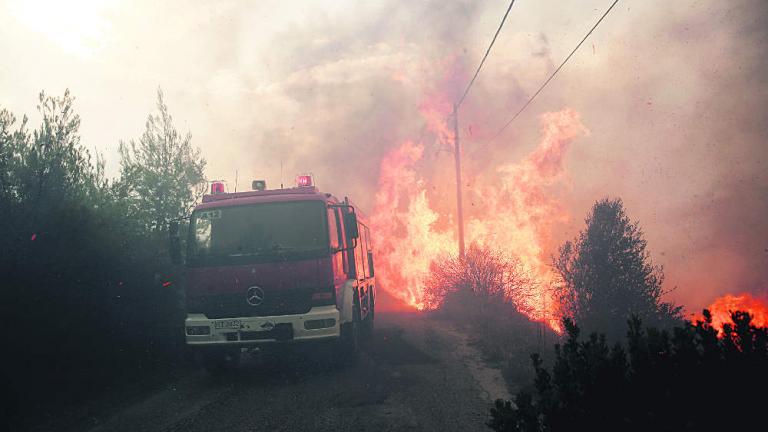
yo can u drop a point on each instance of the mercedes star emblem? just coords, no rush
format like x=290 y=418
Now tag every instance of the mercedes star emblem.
x=254 y=296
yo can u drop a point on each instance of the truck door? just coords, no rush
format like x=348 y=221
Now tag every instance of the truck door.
x=344 y=257
x=338 y=263
x=364 y=274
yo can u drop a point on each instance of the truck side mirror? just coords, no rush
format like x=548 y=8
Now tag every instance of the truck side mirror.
x=370 y=263
x=350 y=225
x=174 y=243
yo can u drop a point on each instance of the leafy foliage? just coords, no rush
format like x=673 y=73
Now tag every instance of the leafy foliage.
x=82 y=279
x=607 y=274
x=687 y=379
x=162 y=172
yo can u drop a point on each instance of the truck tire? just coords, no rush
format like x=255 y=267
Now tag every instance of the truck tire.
x=220 y=361
x=350 y=337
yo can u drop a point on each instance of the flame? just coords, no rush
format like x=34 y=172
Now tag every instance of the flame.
x=722 y=307
x=403 y=226
x=414 y=224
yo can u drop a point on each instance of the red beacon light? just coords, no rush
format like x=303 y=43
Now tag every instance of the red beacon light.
x=304 y=180
x=217 y=187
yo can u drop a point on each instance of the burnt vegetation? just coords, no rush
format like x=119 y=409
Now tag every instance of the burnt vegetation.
x=87 y=288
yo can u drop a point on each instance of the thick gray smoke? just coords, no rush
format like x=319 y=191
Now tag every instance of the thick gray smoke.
x=674 y=94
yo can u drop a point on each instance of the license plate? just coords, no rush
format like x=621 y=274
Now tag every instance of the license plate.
x=227 y=324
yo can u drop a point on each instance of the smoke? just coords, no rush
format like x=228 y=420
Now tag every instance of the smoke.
x=673 y=94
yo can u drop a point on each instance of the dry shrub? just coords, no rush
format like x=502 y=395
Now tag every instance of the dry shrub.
x=485 y=276
x=485 y=294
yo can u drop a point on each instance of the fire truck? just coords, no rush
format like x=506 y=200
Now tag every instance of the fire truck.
x=275 y=267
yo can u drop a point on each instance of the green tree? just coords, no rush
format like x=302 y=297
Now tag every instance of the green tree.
x=43 y=174
x=607 y=274
x=11 y=142
x=161 y=174
x=71 y=249
x=52 y=166
x=686 y=379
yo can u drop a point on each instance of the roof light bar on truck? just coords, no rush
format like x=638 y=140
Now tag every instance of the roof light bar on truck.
x=304 y=180
x=217 y=187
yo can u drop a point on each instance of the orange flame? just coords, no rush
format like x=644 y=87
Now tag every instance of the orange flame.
x=515 y=212
x=722 y=307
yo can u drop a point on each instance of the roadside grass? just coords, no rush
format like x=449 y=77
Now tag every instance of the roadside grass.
x=504 y=336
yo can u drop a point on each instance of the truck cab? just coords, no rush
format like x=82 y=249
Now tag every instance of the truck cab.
x=277 y=266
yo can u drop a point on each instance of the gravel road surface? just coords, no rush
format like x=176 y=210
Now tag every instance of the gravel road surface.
x=417 y=374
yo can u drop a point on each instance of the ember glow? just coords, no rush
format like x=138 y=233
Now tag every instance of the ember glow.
x=509 y=209
x=722 y=307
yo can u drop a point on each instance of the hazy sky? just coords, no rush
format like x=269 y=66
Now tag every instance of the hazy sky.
x=673 y=92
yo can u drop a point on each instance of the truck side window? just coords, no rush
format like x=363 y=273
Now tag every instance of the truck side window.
x=333 y=229
x=368 y=251
x=360 y=252
x=364 y=249
x=348 y=255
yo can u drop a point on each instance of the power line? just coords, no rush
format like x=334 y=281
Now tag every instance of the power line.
x=457 y=151
x=520 y=111
x=485 y=56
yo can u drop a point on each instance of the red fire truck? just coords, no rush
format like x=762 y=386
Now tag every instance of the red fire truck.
x=277 y=266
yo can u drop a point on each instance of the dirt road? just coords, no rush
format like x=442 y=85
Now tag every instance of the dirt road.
x=417 y=375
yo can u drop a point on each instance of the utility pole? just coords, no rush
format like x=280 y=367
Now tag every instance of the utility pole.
x=459 y=205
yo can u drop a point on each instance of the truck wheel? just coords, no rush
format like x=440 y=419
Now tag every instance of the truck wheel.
x=350 y=337
x=219 y=361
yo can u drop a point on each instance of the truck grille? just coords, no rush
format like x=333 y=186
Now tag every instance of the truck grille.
x=282 y=302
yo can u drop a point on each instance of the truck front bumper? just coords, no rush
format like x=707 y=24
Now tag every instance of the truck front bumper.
x=320 y=323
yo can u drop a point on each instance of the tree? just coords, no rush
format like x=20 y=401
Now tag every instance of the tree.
x=11 y=142
x=607 y=274
x=43 y=174
x=71 y=248
x=689 y=379
x=52 y=166
x=161 y=174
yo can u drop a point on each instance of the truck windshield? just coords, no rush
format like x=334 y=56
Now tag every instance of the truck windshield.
x=258 y=232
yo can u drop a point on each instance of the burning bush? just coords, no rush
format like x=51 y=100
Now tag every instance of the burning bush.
x=412 y=229
x=722 y=308
x=688 y=379
x=486 y=294
x=484 y=276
